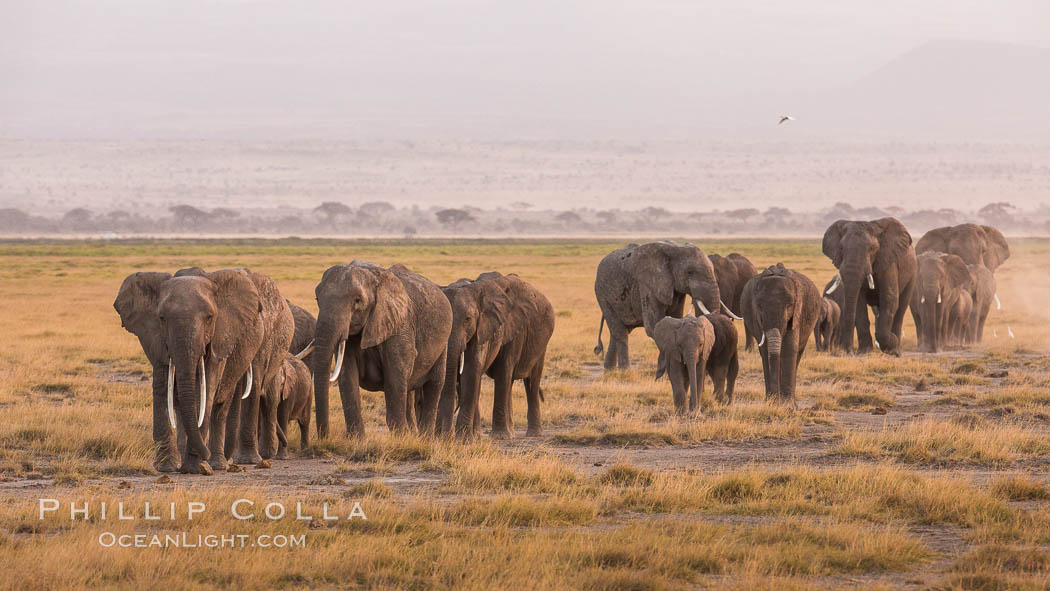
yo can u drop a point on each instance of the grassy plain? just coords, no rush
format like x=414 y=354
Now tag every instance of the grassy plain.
x=928 y=471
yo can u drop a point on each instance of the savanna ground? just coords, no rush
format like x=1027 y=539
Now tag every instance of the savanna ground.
x=927 y=471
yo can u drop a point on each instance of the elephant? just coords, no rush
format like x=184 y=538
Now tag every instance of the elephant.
x=480 y=311
x=825 y=333
x=780 y=305
x=527 y=330
x=974 y=244
x=876 y=263
x=641 y=284
x=938 y=282
x=723 y=364
x=685 y=346
x=390 y=328
x=732 y=272
x=294 y=386
x=226 y=325
x=983 y=295
x=303 y=336
x=959 y=317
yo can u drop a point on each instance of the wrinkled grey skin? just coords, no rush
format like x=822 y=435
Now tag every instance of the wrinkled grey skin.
x=294 y=387
x=527 y=330
x=825 y=333
x=305 y=326
x=685 y=346
x=974 y=244
x=983 y=294
x=959 y=317
x=231 y=318
x=733 y=272
x=396 y=325
x=883 y=249
x=781 y=305
x=481 y=325
x=939 y=281
x=723 y=365
x=641 y=284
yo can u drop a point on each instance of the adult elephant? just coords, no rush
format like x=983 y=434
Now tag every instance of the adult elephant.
x=527 y=330
x=983 y=294
x=974 y=244
x=781 y=306
x=938 y=281
x=733 y=272
x=204 y=332
x=876 y=263
x=303 y=336
x=641 y=284
x=480 y=316
x=388 y=329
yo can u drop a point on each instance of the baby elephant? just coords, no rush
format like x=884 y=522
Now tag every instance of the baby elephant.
x=295 y=386
x=685 y=346
x=722 y=364
x=825 y=333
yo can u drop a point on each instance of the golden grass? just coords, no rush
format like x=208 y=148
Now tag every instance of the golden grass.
x=931 y=441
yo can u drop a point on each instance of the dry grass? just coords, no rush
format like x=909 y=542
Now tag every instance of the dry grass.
x=937 y=442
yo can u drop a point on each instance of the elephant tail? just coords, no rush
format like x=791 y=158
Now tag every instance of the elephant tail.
x=600 y=348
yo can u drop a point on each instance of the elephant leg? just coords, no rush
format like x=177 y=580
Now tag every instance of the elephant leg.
x=283 y=410
x=734 y=369
x=863 y=326
x=166 y=452
x=350 y=395
x=233 y=421
x=410 y=409
x=248 y=437
x=618 y=355
x=718 y=381
x=676 y=374
x=532 y=393
x=430 y=394
x=268 y=441
x=502 y=372
x=217 y=441
x=395 y=391
x=790 y=355
x=304 y=431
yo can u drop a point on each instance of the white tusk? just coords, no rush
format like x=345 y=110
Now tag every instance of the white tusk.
x=728 y=311
x=877 y=345
x=1009 y=332
x=702 y=307
x=871 y=281
x=203 y=392
x=998 y=304
x=462 y=361
x=338 y=361
x=248 y=379
x=922 y=300
x=171 y=393
x=763 y=341
x=938 y=298
x=835 y=285
x=995 y=333
x=306 y=351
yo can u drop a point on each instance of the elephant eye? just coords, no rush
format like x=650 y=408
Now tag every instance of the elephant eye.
x=162 y=319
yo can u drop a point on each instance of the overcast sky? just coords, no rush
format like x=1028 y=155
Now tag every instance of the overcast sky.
x=139 y=68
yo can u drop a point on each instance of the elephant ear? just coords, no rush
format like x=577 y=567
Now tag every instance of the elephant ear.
x=894 y=241
x=958 y=272
x=136 y=304
x=935 y=240
x=997 y=249
x=237 y=309
x=708 y=336
x=389 y=311
x=832 y=243
x=493 y=309
x=652 y=270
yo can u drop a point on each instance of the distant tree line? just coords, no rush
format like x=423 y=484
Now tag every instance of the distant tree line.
x=379 y=218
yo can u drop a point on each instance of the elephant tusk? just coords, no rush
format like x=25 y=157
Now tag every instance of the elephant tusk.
x=995 y=333
x=728 y=311
x=338 y=361
x=871 y=281
x=922 y=300
x=171 y=393
x=306 y=351
x=248 y=379
x=998 y=304
x=877 y=346
x=203 y=393
x=834 y=285
x=1009 y=332
x=462 y=361
x=763 y=341
x=938 y=298
x=702 y=307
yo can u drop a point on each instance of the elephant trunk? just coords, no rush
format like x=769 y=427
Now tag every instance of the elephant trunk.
x=853 y=275
x=188 y=364
x=322 y=359
x=929 y=302
x=448 y=402
x=694 y=389
x=772 y=338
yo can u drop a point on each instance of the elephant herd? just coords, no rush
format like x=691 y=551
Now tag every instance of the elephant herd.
x=234 y=362
x=949 y=285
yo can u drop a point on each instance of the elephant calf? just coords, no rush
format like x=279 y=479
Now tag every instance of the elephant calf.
x=685 y=346
x=294 y=387
x=825 y=333
x=722 y=364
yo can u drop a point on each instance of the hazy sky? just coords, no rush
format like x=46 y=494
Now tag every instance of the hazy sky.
x=467 y=68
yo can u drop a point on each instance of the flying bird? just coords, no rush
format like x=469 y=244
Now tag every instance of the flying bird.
x=785 y=118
